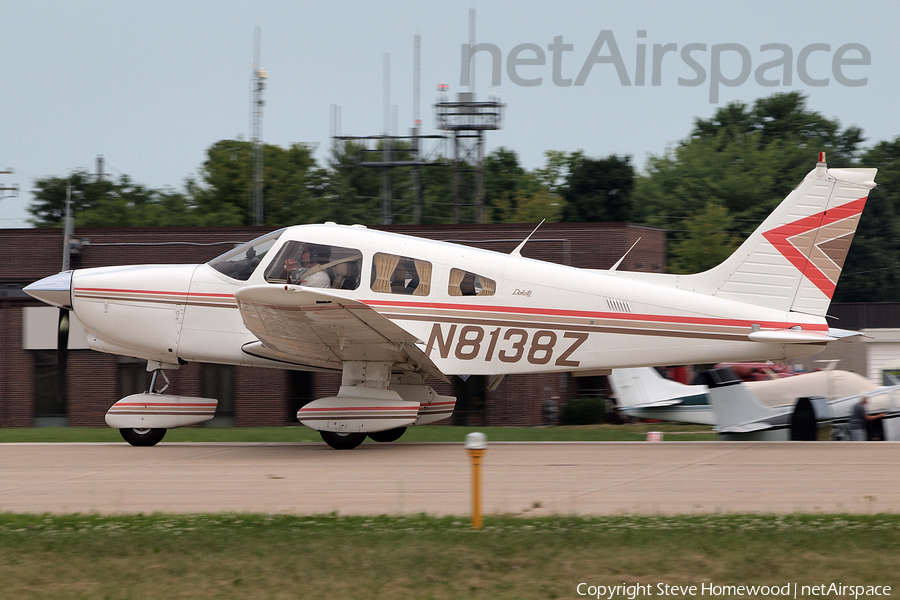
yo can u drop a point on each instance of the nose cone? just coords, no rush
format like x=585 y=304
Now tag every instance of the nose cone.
x=55 y=290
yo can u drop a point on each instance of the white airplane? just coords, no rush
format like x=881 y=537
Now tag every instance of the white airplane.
x=396 y=309
x=741 y=416
x=642 y=392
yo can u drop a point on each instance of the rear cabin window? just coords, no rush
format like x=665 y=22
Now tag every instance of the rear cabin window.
x=392 y=274
x=316 y=265
x=464 y=283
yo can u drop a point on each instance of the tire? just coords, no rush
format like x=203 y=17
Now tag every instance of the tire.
x=391 y=435
x=143 y=437
x=342 y=441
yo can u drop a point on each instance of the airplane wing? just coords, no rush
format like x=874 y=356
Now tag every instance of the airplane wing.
x=745 y=428
x=796 y=336
x=320 y=329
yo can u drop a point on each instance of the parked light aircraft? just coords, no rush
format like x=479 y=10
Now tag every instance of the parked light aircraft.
x=396 y=309
x=740 y=416
x=642 y=392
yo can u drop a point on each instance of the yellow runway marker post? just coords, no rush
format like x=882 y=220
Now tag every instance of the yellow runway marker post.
x=476 y=444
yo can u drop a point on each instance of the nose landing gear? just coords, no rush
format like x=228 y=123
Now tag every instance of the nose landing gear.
x=143 y=419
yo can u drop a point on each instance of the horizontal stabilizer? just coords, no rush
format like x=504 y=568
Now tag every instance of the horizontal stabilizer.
x=791 y=336
x=801 y=336
x=645 y=387
x=840 y=334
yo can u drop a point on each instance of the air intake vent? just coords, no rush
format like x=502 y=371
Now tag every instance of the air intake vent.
x=618 y=305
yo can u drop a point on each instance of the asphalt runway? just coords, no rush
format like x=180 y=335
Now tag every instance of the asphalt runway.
x=403 y=478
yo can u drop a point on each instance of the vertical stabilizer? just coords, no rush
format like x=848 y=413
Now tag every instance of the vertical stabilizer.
x=793 y=260
x=644 y=386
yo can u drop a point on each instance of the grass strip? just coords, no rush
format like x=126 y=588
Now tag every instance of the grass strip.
x=247 y=556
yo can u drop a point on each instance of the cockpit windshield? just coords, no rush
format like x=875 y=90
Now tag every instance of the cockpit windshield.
x=240 y=262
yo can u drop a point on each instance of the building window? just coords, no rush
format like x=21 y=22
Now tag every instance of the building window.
x=300 y=392
x=218 y=383
x=392 y=274
x=464 y=283
x=49 y=408
x=133 y=376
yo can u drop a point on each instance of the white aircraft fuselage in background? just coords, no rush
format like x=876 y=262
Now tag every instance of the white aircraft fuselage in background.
x=400 y=308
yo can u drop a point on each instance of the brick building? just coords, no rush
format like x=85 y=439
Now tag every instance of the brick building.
x=253 y=396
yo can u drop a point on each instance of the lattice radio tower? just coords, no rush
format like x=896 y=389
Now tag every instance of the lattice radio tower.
x=8 y=191
x=467 y=120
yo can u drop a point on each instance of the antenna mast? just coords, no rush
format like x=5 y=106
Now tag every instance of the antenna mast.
x=259 y=84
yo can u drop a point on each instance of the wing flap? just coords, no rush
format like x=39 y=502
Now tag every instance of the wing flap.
x=322 y=329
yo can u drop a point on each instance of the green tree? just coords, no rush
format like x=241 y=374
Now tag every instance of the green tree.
x=108 y=202
x=872 y=270
x=534 y=207
x=556 y=169
x=745 y=159
x=514 y=195
x=438 y=193
x=708 y=242
x=599 y=190
x=292 y=184
x=504 y=182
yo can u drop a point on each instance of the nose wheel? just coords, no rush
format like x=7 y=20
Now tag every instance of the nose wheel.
x=146 y=436
x=143 y=437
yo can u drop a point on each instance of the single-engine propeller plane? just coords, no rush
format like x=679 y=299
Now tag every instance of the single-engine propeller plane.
x=645 y=394
x=387 y=311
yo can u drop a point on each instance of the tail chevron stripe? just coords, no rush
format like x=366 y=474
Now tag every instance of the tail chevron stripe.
x=817 y=245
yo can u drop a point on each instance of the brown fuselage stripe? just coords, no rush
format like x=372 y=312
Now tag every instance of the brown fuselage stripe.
x=637 y=330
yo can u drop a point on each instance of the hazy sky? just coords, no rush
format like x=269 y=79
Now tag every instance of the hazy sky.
x=152 y=85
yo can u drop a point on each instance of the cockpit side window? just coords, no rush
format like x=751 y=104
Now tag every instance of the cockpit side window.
x=240 y=262
x=316 y=265
x=464 y=283
x=392 y=274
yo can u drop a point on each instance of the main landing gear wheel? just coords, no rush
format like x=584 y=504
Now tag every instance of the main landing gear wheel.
x=391 y=435
x=143 y=436
x=342 y=441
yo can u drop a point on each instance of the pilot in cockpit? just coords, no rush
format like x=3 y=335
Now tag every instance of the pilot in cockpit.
x=305 y=268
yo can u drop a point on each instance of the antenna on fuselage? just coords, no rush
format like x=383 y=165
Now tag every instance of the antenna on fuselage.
x=612 y=269
x=518 y=250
